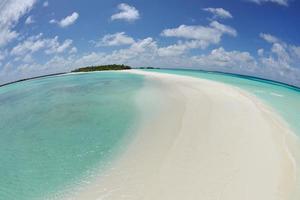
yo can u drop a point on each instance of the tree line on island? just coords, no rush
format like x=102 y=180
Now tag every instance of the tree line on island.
x=107 y=67
x=102 y=68
x=83 y=69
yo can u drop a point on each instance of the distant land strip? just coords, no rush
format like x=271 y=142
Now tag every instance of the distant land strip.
x=102 y=68
x=125 y=67
x=26 y=79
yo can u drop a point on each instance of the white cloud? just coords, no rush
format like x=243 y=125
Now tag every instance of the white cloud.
x=116 y=39
x=30 y=45
x=52 y=21
x=181 y=47
x=204 y=35
x=281 y=52
x=279 y=2
x=55 y=47
x=141 y=52
x=73 y=50
x=269 y=38
x=37 y=43
x=233 y=61
x=146 y=52
x=46 y=4
x=219 y=12
x=280 y=49
x=211 y=33
x=282 y=61
x=6 y=35
x=295 y=51
x=29 y=20
x=67 y=21
x=173 y=50
x=223 y=28
x=11 y=12
x=28 y=59
x=260 y=52
x=126 y=12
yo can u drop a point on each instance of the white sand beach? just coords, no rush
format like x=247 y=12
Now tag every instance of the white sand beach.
x=203 y=140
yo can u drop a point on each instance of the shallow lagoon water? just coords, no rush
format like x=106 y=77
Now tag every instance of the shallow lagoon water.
x=56 y=131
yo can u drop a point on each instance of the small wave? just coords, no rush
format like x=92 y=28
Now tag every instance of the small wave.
x=276 y=94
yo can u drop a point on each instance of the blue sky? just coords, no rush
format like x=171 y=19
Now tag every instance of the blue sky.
x=252 y=37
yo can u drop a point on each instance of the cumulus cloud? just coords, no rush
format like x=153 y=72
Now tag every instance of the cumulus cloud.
x=233 y=61
x=219 y=12
x=269 y=38
x=55 y=47
x=146 y=52
x=211 y=33
x=197 y=36
x=181 y=47
x=46 y=4
x=22 y=61
x=37 y=43
x=52 y=21
x=260 y=52
x=126 y=12
x=116 y=39
x=67 y=21
x=279 y=2
x=11 y=12
x=29 y=20
x=278 y=63
x=31 y=45
x=175 y=49
x=281 y=61
x=73 y=50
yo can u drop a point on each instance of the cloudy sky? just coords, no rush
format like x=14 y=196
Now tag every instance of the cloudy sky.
x=252 y=37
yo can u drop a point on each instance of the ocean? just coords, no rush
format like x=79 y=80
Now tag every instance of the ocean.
x=60 y=130
x=57 y=132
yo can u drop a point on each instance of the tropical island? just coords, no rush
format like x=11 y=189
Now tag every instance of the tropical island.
x=148 y=68
x=84 y=69
x=102 y=68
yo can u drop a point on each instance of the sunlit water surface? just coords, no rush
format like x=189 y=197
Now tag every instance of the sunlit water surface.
x=57 y=132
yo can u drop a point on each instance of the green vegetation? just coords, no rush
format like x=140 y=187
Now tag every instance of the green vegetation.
x=149 y=68
x=102 y=68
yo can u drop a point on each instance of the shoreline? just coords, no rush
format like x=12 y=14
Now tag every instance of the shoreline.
x=270 y=81
x=208 y=141
x=32 y=78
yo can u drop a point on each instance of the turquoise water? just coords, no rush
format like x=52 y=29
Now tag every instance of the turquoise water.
x=55 y=131
x=282 y=98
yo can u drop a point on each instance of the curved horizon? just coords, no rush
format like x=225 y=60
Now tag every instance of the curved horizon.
x=295 y=87
x=39 y=38
x=152 y=100
x=162 y=107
